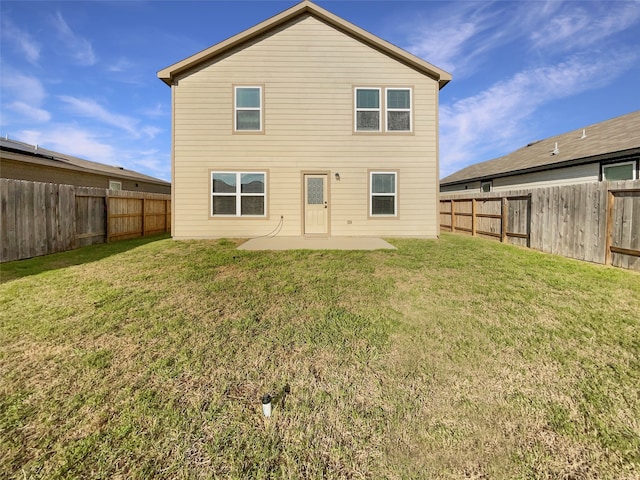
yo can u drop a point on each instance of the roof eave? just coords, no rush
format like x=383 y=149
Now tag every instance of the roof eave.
x=66 y=164
x=169 y=74
x=550 y=166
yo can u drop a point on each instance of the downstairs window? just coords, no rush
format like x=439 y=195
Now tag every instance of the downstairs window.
x=383 y=194
x=238 y=194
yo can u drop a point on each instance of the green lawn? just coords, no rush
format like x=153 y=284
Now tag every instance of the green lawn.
x=457 y=358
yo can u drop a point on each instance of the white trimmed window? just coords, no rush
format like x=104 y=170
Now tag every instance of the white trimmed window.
x=115 y=185
x=398 y=108
x=248 y=109
x=238 y=194
x=383 y=188
x=486 y=186
x=619 y=171
x=367 y=117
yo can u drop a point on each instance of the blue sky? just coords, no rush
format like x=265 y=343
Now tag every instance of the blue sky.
x=79 y=77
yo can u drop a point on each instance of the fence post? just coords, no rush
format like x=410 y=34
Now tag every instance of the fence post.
x=453 y=215
x=505 y=216
x=166 y=215
x=143 y=217
x=609 y=232
x=106 y=215
x=473 y=217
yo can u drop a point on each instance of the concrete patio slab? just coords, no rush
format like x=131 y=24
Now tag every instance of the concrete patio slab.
x=316 y=243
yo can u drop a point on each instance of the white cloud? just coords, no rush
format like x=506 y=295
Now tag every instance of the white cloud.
x=17 y=86
x=462 y=36
x=91 y=109
x=79 y=47
x=450 y=39
x=126 y=71
x=152 y=161
x=23 y=95
x=71 y=140
x=75 y=140
x=122 y=65
x=581 y=26
x=27 y=45
x=29 y=112
x=496 y=117
x=151 y=131
x=155 y=112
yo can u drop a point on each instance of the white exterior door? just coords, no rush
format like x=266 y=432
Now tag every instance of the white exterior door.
x=316 y=205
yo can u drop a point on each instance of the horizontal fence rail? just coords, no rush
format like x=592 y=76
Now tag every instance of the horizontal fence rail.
x=42 y=218
x=489 y=216
x=596 y=222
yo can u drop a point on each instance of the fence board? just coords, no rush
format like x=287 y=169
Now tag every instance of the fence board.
x=569 y=220
x=42 y=218
x=39 y=224
x=7 y=218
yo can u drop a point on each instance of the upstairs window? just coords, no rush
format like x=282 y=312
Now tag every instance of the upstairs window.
x=238 y=194
x=383 y=188
x=248 y=109
x=619 y=171
x=398 y=109
x=367 y=110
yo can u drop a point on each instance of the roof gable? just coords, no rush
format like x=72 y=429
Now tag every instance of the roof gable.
x=305 y=8
x=615 y=137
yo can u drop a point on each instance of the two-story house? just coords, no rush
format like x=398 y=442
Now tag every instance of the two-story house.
x=305 y=125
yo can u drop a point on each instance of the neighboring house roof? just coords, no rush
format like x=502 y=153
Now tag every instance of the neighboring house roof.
x=41 y=156
x=304 y=8
x=613 y=138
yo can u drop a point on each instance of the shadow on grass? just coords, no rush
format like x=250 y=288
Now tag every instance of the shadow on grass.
x=32 y=266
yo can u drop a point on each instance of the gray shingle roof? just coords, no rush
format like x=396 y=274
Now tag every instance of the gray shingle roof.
x=617 y=135
x=61 y=160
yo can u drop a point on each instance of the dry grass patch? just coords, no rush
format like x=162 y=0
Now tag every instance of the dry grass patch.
x=457 y=358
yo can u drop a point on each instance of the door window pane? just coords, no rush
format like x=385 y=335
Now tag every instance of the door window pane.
x=315 y=191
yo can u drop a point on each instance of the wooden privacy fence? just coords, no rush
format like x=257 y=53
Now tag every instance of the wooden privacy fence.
x=597 y=222
x=42 y=218
x=499 y=217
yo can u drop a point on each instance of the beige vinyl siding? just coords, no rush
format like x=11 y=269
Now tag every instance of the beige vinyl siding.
x=309 y=71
